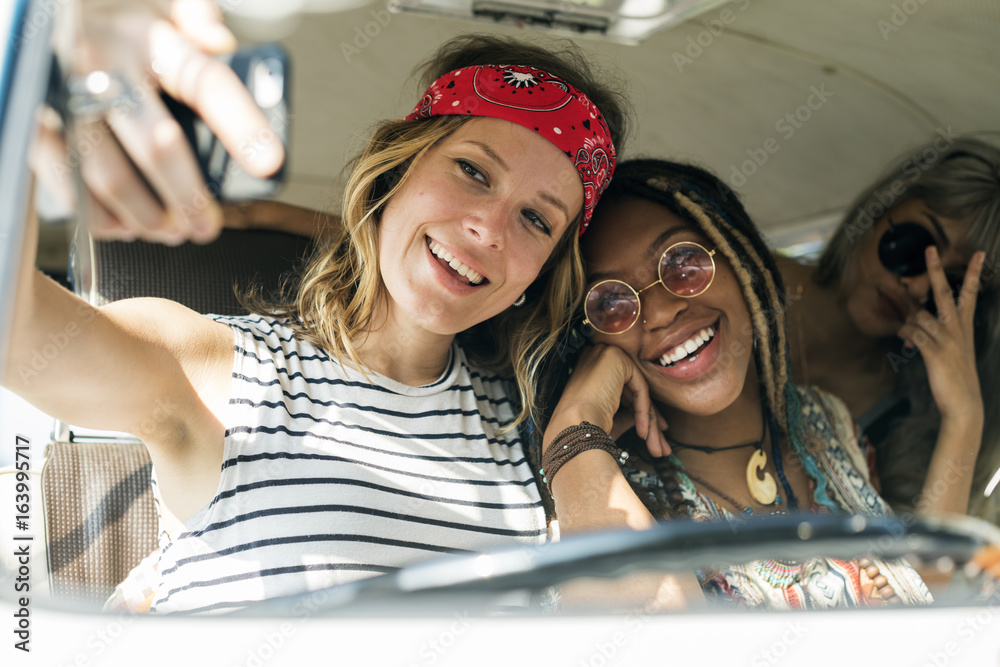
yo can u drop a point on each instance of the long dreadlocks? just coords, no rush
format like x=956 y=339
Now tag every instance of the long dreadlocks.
x=709 y=205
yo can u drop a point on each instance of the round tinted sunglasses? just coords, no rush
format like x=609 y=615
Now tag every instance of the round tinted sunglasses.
x=902 y=250
x=685 y=269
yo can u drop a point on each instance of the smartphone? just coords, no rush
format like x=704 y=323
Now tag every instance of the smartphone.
x=264 y=71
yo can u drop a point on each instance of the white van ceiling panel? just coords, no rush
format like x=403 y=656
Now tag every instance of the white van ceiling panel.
x=866 y=79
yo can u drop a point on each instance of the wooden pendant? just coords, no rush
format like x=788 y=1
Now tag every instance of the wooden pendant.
x=763 y=490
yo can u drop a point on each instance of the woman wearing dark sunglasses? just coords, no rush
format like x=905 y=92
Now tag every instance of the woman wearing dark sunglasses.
x=890 y=320
x=686 y=310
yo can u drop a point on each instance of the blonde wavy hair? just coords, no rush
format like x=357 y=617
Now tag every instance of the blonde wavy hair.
x=336 y=299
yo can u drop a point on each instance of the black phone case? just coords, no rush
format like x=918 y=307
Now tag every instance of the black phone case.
x=261 y=69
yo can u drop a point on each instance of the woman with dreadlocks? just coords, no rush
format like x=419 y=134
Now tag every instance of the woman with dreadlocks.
x=705 y=352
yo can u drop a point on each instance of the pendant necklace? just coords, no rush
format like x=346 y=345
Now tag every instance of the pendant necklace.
x=763 y=489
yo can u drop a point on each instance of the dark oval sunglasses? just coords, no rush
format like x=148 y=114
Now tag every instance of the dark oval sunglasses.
x=902 y=250
x=685 y=269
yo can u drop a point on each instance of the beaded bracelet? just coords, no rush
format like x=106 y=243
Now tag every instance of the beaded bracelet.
x=572 y=441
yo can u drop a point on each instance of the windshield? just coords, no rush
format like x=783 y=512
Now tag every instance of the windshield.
x=797 y=109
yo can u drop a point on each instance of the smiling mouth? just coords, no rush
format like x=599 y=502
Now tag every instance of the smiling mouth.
x=689 y=349
x=464 y=273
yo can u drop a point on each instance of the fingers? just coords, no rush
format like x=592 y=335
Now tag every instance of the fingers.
x=646 y=417
x=216 y=94
x=201 y=22
x=640 y=404
x=607 y=382
x=930 y=325
x=987 y=559
x=49 y=159
x=661 y=420
x=921 y=330
x=156 y=145
x=103 y=224
x=659 y=425
x=119 y=205
x=143 y=173
x=970 y=289
x=943 y=297
x=111 y=180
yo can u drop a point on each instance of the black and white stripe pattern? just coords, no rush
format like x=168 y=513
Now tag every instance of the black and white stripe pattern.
x=329 y=478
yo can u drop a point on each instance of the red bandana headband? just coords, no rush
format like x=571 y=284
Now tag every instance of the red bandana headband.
x=538 y=101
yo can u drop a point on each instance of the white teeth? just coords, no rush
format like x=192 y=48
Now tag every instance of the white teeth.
x=690 y=346
x=453 y=262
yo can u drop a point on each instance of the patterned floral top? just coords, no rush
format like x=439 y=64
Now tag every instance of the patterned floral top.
x=840 y=475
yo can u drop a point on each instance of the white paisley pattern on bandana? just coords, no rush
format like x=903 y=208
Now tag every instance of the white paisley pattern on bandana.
x=539 y=101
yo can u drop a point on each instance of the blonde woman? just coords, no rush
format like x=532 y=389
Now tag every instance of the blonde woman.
x=369 y=422
x=900 y=317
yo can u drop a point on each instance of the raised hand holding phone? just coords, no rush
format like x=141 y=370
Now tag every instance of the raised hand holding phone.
x=141 y=177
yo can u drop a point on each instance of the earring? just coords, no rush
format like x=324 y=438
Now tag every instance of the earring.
x=520 y=301
x=644 y=321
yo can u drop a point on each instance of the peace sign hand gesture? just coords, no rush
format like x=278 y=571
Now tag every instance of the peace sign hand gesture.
x=946 y=342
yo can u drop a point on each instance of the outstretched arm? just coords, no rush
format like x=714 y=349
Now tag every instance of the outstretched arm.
x=149 y=367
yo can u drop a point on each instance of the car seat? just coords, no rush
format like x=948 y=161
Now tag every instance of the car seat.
x=98 y=505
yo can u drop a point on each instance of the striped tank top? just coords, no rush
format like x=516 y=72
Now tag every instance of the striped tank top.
x=329 y=477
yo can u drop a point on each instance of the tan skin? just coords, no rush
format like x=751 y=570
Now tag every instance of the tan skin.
x=140 y=174
x=619 y=381
x=839 y=339
x=162 y=372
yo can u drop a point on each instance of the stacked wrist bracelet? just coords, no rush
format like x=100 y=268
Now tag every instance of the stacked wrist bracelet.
x=572 y=441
